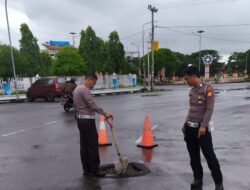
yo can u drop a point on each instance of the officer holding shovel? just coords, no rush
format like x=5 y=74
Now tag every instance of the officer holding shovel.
x=85 y=108
x=196 y=129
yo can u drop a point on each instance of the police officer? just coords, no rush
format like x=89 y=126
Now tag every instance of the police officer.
x=69 y=85
x=85 y=108
x=196 y=129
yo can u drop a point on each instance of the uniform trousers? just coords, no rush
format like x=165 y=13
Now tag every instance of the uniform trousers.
x=194 y=144
x=88 y=145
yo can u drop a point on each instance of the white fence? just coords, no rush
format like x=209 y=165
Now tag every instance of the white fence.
x=103 y=82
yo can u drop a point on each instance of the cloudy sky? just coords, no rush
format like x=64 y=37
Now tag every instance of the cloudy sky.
x=226 y=23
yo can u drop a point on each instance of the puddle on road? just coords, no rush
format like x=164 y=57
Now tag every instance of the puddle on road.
x=228 y=148
x=36 y=146
x=148 y=95
x=230 y=89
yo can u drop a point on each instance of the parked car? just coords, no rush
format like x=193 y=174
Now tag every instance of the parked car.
x=48 y=88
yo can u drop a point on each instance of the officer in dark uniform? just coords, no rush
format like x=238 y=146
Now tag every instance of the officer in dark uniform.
x=85 y=109
x=196 y=129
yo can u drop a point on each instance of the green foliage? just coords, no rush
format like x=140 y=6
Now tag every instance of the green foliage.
x=92 y=50
x=45 y=64
x=116 y=53
x=182 y=62
x=30 y=50
x=237 y=62
x=6 y=69
x=100 y=55
x=68 y=62
x=165 y=58
x=131 y=65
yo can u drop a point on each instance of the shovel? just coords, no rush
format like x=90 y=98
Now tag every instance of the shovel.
x=121 y=164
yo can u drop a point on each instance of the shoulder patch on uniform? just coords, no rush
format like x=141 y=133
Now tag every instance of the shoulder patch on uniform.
x=210 y=91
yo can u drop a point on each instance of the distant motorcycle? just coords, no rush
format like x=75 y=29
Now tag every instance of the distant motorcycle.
x=67 y=101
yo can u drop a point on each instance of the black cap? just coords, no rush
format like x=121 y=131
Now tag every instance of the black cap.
x=192 y=70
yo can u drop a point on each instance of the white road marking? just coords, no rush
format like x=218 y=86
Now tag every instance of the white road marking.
x=27 y=129
x=140 y=138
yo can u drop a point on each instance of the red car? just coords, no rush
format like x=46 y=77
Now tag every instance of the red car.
x=48 y=88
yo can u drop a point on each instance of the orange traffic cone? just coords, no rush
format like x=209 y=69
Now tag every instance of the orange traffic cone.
x=147 y=135
x=102 y=134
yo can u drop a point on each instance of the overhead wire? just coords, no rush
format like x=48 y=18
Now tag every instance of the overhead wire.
x=179 y=4
x=203 y=36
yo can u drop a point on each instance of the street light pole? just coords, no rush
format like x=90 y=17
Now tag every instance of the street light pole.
x=143 y=48
x=246 y=63
x=11 y=51
x=143 y=62
x=153 y=10
x=73 y=38
x=138 y=52
x=149 y=76
x=200 y=32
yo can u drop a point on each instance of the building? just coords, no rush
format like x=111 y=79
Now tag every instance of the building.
x=53 y=47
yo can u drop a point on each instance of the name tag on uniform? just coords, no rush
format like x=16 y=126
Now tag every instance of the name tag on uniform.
x=200 y=98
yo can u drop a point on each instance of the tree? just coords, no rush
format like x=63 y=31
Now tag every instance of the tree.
x=182 y=62
x=6 y=70
x=30 y=50
x=91 y=49
x=237 y=62
x=45 y=64
x=81 y=44
x=164 y=58
x=116 y=54
x=68 y=62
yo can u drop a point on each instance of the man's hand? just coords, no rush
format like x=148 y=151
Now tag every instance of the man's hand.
x=108 y=115
x=202 y=131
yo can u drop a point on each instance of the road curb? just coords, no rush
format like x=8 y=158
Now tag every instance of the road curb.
x=4 y=100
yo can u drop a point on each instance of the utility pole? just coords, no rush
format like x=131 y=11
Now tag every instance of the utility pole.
x=200 y=32
x=153 y=10
x=73 y=37
x=143 y=53
x=11 y=51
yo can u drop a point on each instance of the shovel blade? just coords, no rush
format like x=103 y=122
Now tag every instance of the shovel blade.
x=118 y=167
x=121 y=165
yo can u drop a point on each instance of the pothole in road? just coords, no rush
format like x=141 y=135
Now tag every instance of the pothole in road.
x=133 y=170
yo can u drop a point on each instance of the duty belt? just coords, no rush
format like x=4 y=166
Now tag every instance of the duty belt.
x=80 y=116
x=192 y=124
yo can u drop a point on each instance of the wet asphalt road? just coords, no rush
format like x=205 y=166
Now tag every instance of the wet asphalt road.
x=39 y=143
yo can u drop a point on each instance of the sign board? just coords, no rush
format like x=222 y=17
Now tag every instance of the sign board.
x=156 y=45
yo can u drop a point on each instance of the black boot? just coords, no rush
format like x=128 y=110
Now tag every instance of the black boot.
x=197 y=183
x=219 y=187
x=100 y=173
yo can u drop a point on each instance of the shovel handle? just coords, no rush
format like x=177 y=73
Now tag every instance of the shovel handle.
x=110 y=122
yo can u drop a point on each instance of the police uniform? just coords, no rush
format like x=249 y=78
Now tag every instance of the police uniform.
x=69 y=86
x=201 y=100
x=85 y=108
